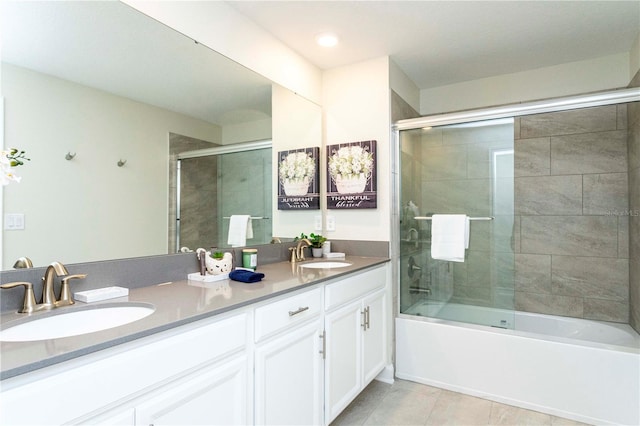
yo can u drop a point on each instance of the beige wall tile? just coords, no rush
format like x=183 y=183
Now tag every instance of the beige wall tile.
x=604 y=152
x=605 y=194
x=606 y=310
x=570 y=235
x=596 y=277
x=548 y=195
x=584 y=120
x=550 y=304
x=623 y=237
x=532 y=157
x=533 y=273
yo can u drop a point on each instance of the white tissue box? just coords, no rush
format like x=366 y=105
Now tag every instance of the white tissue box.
x=334 y=255
x=207 y=278
x=99 y=294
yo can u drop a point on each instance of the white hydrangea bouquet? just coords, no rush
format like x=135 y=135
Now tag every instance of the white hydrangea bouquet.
x=10 y=159
x=350 y=167
x=296 y=171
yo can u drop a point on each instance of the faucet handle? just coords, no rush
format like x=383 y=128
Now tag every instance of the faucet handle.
x=65 y=293
x=29 y=301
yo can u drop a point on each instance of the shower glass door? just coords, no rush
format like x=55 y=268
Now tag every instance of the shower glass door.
x=212 y=188
x=458 y=169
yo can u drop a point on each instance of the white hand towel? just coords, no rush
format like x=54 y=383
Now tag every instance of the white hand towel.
x=449 y=236
x=239 y=230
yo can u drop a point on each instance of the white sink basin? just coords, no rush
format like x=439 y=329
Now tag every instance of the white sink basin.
x=323 y=265
x=75 y=321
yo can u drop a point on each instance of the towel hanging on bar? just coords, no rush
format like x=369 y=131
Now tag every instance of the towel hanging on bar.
x=449 y=237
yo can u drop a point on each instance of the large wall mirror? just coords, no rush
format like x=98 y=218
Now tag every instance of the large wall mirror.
x=104 y=99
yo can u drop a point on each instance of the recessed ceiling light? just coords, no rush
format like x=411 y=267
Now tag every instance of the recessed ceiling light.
x=327 y=39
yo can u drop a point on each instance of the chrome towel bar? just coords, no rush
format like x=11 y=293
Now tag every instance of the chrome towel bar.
x=471 y=218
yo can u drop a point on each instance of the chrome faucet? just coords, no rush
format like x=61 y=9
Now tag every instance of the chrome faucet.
x=48 y=296
x=297 y=252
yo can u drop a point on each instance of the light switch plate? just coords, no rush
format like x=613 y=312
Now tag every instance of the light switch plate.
x=14 y=221
x=331 y=223
x=317 y=223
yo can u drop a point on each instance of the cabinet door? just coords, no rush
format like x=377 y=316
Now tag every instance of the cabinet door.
x=343 y=364
x=216 y=396
x=289 y=378
x=116 y=418
x=374 y=342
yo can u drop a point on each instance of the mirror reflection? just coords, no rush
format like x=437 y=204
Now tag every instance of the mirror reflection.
x=102 y=99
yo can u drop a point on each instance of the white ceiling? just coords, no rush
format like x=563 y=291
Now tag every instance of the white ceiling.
x=444 y=42
x=113 y=47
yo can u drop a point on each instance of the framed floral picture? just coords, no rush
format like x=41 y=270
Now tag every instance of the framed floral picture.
x=352 y=175
x=299 y=179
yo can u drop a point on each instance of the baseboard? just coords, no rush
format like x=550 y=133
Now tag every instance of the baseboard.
x=386 y=375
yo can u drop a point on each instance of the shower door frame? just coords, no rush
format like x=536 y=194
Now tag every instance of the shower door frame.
x=610 y=97
x=217 y=150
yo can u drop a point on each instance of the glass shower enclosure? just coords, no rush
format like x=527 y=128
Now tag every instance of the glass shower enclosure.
x=465 y=169
x=214 y=184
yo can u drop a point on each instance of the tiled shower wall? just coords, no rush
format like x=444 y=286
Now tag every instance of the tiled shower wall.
x=572 y=213
x=177 y=145
x=634 y=209
x=199 y=210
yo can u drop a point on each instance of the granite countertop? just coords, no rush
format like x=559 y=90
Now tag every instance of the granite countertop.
x=176 y=303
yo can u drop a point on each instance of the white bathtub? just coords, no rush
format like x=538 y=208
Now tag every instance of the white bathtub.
x=583 y=370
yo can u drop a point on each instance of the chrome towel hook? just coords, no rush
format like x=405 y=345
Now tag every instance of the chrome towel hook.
x=69 y=156
x=121 y=163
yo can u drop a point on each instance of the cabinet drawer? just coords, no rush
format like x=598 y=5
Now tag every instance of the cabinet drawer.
x=354 y=287
x=284 y=313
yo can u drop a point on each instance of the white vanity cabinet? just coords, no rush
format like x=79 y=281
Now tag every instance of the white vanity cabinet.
x=299 y=358
x=216 y=395
x=356 y=333
x=288 y=361
x=108 y=386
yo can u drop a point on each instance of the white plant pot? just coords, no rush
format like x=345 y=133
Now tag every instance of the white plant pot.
x=219 y=266
x=316 y=251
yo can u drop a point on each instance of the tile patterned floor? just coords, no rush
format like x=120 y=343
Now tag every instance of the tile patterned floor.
x=408 y=403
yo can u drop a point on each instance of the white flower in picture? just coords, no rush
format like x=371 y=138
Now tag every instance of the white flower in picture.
x=296 y=171
x=350 y=167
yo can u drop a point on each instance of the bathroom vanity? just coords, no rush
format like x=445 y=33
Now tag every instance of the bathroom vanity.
x=295 y=348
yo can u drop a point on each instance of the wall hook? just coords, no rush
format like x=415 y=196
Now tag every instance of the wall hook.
x=121 y=163
x=70 y=156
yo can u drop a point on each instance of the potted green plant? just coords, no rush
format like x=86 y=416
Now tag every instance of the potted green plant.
x=317 y=241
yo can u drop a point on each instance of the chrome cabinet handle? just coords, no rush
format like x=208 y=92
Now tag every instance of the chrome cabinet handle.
x=367 y=317
x=323 y=351
x=363 y=322
x=292 y=313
